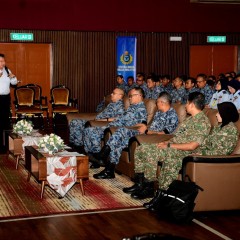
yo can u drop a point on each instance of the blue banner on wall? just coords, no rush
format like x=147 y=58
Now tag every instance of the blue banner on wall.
x=126 y=56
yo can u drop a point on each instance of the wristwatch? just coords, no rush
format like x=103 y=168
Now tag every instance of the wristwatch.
x=169 y=145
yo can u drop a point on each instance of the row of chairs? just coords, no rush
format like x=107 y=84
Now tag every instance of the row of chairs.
x=29 y=101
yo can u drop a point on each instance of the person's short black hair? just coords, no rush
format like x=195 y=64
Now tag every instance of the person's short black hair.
x=130 y=77
x=141 y=74
x=204 y=76
x=152 y=77
x=197 y=99
x=210 y=83
x=2 y=55
x=166 y=96
x=140 y=91
x=183 y=77
x=121 y=76
x=193 y=80
x=167 y=76
x=212 y=77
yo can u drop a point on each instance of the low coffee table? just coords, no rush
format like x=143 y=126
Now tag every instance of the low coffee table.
x=36 y=164
x=14 y=143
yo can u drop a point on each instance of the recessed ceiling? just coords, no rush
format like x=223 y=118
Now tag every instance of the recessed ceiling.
x=216 y=1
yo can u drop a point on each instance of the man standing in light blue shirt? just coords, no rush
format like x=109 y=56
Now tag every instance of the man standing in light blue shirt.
x=6 y=78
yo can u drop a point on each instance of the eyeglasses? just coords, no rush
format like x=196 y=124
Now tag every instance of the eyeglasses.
x=199 y=81
x=114 y=93
x=132 y=95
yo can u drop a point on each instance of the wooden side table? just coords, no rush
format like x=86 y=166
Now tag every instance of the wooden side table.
x=35 y=163
x=14 y=143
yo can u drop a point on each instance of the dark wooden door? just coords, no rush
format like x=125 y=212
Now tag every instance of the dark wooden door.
x=212 y=60
x=31 y=63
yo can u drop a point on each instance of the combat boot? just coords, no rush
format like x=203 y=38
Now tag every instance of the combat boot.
x=107 y=173
x=147 y=191
x=138 y=179
x=152 y=205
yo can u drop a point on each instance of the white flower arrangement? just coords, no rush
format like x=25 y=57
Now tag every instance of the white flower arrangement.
x=23 y=127
x=51 y=143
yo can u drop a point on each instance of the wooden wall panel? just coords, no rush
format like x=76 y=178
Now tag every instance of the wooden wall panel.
x=86 y=61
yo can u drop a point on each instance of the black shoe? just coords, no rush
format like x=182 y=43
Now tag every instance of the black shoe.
x=107 y=173
x=146 y=192
x=94 y=165
x=133 y=188
x=152 y=205
x=138 y=179
x=104 y=174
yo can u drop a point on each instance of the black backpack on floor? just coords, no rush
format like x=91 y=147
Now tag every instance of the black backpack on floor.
x=177 y=202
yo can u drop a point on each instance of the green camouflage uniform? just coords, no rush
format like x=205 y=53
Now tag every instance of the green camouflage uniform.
x=193 y=129
x=221 y=141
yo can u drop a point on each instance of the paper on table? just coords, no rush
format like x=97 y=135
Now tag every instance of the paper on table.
x=66 y=153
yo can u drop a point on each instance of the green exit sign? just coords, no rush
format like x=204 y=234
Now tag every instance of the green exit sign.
x=216 y=39
x=21 y=36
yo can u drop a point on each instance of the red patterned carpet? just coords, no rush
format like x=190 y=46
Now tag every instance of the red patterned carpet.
x=19 y=198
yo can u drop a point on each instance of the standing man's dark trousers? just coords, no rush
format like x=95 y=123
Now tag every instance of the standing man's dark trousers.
x=4 y=116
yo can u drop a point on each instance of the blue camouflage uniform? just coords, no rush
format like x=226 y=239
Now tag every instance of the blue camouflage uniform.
x=100 y=106
x=122 y=86
x=219 y=97
x=129 y=88
x=136 y=113
x=178 y=94
x=187 y=92
x=167 y=88
x=207 y=92
x=143 y=87
x=152 y=93
x=162 y=121
x=76 y=126
x=235 y=99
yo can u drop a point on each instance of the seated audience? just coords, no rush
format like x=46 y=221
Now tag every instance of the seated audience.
x=211 y=84
x=121 y=83
x=190 y=86
x=188 y=137
x=237 y=77
x=204 y=88
x=178 y=91
x=166 y=84
x=113 y=110
x=222 y=140
x=152 y=91
x=165 y=121
x=140 y=81
x=212 y=78
x=158 y=81
x=134 y=115
x=130 y=84
x=234 y=89
x=221 y=94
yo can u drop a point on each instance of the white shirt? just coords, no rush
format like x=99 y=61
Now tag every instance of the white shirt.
x=235 y=99
x=5 y=82
x=219 y=97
